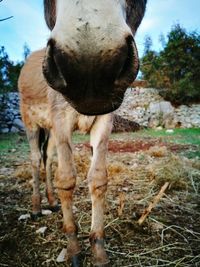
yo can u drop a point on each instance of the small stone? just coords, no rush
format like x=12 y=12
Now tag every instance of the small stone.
x=41 y=230
x=169 y=131
x=125 y=189
x=46 y=212
x=24 y=217
x=14 y=129
x=18 y=123
x=61 y=256
x=159 y=128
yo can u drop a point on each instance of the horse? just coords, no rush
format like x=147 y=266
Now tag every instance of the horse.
x=75 y=83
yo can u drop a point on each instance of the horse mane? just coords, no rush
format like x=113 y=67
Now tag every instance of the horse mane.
x=50 y=13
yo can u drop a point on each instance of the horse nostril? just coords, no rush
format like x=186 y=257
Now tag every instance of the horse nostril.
x=51 y=69
x=129 y=58
x=131 y=64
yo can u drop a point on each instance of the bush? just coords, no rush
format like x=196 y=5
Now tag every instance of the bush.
x=176 y=68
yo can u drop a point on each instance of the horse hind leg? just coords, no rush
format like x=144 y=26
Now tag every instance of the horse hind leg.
x=51 y=151
x=33 y=138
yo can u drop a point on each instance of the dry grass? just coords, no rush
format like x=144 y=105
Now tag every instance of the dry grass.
x=170 y=236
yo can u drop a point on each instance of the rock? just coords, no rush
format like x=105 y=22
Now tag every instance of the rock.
x=154 y=122
x=41 y=230
x=169 y=131
x=14 y=129
x=18 y=123
x=4 y=130
x=159 y=128
x=46 y=212
x=162 y=107
x=169 y=120
x=24 y=217
x=61 y=256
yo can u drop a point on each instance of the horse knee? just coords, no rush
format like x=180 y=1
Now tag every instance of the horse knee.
x=65 y=181
x=98 y=183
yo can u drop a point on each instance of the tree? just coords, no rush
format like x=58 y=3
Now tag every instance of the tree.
x=9 y=72
x=27 y=51
x=175 y=68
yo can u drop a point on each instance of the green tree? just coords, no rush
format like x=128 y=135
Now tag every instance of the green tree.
x=3 y=69
x=9 y=72
x=176 y=68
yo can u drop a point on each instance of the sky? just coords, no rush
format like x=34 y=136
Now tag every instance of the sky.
x=28 y=26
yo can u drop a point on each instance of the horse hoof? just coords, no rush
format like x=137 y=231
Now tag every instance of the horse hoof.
x=55 y=208
x=103 y=265
x=36 y=216
x=73 y=255
x=100 y=257
x=97 y=263
x=77 y=260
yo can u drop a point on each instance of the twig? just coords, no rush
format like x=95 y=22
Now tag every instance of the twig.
x=153 y=204
x=121 y=203
x=110 y=223
x=6 y=18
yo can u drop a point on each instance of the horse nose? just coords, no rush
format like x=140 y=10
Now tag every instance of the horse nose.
x=90 y=77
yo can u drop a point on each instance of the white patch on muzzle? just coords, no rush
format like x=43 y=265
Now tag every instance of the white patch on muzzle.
x=90 y=26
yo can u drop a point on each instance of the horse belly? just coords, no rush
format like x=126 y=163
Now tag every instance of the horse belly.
x=36 y=115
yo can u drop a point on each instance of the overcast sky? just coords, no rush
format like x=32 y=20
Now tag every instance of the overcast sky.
x=28 y=26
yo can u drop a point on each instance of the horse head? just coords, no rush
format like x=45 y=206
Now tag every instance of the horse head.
x=91 y=56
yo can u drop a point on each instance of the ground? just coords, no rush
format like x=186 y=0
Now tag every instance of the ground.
x=138 y=166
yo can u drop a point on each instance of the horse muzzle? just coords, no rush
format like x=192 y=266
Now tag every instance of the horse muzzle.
x=93 y=83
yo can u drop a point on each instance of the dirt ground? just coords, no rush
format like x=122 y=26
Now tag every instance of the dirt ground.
x=170 y=236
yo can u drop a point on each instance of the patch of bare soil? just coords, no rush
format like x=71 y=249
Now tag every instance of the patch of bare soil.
x=170 y=236
x=118 y=146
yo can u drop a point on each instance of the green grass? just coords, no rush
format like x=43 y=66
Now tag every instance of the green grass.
x=179 y=136
x=190 y=137
x=187 y=136
x=80 y=138
x=17 y=144
x=12 y=147
x=11 y=141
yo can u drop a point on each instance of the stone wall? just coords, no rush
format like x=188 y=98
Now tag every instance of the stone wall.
x=143 y=106
x=10 y=119
x=146 y=107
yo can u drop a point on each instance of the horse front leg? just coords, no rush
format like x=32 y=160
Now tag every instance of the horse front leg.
x=65 y=181
x=97 y=179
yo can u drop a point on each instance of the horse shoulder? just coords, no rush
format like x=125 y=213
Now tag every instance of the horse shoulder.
x=32 y=85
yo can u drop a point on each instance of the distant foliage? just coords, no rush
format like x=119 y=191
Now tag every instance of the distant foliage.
x=9 y=70
x=176 y=68
x=27 y=51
